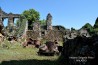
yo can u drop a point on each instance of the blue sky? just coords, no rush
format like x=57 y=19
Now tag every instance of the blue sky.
x=68 y=13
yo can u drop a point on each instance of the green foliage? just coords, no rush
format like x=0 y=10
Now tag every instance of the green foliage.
x=96 y=23
x=72 y=29
x=43 y=22
x=16 y=55
x=96 y=30
x=31 y=15
x=96 y=26
x=21 y=27
x=18 y=22
x=88 y=27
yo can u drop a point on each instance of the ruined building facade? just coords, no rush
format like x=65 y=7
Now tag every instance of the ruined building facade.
x=11 y=17
x=51 y=33
x=46 y=32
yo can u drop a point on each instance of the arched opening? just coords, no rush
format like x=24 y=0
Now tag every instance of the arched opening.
x=15 y=21
x=5 y=22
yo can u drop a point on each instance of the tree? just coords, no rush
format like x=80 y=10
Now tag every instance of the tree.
x=43 y=22
x=89 y=27
x=96 y=23
x=32 y=16
x=96 y=26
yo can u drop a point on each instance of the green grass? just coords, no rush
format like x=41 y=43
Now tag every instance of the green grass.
x=14 y=54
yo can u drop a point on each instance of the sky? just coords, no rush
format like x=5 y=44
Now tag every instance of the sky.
x=68 y=13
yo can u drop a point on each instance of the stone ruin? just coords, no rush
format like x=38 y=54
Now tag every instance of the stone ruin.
x=71 y=34
x=51 y=33
x=11 y=17
x=49 y=22
x=46 y=32
x=81 y=50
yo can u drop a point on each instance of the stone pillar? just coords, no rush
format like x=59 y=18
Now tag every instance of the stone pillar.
x=49 y=22
x=1 y=22
x=10 y=21
x=36 y=26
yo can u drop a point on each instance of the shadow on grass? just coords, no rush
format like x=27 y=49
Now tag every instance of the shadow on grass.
x=30 y=62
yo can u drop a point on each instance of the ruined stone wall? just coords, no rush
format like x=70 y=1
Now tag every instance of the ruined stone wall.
x=54 y=35
x=32 y=34
x=80 y=46
x=49 y=35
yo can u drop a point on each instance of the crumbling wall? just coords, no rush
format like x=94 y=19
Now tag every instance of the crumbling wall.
x=54 y=35
x=80 y=46
x=32 y=34
x=49 y=35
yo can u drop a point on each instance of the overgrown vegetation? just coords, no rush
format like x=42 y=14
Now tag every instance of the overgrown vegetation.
x=89 y=27
x=21 y=25
x=29 y=16
x=92 y=29
x=15 y=54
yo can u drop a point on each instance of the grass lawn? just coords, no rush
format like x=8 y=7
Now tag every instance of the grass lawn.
x=14 y=54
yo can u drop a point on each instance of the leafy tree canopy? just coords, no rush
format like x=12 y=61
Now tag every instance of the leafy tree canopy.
x=43 y=22
x=89 y=27
x=96 y=23
x=31 y=15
